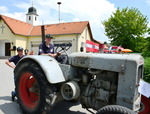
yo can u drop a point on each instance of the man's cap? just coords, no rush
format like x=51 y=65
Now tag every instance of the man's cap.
x=19 y=49
x=48 y=36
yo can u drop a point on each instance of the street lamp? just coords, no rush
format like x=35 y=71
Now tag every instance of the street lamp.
x=59 y=11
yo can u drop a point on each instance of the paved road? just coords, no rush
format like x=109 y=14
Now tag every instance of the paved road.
x=9 y=107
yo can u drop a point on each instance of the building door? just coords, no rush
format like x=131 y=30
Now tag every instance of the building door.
x=35 y=47
x=7 y=49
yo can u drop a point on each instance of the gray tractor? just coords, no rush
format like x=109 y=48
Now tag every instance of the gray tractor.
x=107 y=83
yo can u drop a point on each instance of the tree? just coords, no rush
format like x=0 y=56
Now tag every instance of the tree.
x=105 y=43
x=146 y=50
x=148 y=41
x=126 y=27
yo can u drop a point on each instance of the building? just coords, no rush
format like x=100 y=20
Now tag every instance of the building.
x=14 y=33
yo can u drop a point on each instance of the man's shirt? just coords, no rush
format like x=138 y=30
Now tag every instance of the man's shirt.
x=44 y=49
x=15 y=59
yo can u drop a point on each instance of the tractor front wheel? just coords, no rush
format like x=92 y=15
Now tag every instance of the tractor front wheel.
x=33 y=89
x=115 y=109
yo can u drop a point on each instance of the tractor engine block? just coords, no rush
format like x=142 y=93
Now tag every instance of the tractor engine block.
x=100 y=90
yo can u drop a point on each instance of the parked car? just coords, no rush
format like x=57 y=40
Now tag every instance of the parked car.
x=106 y=51
x=115 y=49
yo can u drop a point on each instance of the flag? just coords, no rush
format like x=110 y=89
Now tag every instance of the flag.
x=92 y=47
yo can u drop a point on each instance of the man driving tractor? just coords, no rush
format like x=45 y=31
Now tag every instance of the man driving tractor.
x=47 y=48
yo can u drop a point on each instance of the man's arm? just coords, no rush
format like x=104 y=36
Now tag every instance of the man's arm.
x=50 y=54
x=41 y=52
x=9 y=64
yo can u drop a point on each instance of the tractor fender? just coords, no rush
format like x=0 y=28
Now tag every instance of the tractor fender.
x=49 y=66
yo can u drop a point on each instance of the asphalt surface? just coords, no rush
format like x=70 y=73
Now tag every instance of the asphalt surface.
x=9 y=107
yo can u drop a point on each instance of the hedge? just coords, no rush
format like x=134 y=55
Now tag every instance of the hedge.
x=147 y=69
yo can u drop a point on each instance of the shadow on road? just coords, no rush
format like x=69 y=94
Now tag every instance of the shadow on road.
x=63 y=107
x=6 y=98
x=10 y=107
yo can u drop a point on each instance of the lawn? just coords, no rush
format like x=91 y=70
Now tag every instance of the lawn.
x=147 y=69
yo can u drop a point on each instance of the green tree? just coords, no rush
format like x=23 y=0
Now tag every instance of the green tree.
x=146 y=50
x=126 y=27
x=105 y=43
x=146 y=55
x=148 y=41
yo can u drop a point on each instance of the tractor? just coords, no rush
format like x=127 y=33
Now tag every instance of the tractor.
x=106 y=83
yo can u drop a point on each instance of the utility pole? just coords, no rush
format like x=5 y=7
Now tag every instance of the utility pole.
x=59 y=11
x=32 y=3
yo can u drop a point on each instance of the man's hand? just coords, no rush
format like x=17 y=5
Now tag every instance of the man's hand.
x=10 y=65
x=58 y=54
x=52 y=55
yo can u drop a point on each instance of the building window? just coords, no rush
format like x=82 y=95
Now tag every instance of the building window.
x=35 y=18
x=29 y=17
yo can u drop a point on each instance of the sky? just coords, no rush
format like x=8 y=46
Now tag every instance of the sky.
x=94 y=11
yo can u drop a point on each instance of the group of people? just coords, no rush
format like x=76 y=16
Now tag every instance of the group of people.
x=45 y=48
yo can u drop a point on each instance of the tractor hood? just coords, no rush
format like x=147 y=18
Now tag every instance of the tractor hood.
x=111 y=62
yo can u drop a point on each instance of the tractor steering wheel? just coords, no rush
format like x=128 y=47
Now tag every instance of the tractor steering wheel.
x=64 y=47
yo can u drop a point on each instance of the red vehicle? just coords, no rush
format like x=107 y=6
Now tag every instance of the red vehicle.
x=145 y=104
x=106 y=51
x=115 y=49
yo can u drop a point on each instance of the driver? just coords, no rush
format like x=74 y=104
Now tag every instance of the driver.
x=47 y=48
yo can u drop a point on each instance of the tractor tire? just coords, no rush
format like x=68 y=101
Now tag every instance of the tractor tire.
x=33 y=89
x=115 y=109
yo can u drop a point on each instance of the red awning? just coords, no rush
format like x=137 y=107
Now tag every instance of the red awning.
x=92 y=47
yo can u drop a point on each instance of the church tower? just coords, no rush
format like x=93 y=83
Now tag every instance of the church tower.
x=31 y=16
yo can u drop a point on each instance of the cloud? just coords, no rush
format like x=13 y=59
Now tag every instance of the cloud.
x=17 y=15
x=94 y=11
x=148 y=2
x=3 y=9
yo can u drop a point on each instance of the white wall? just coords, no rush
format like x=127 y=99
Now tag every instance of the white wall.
x=69 y=51
x=2 y=47
x=35 y=46
x=34 y=41
x=32 y=21
x=6 y=36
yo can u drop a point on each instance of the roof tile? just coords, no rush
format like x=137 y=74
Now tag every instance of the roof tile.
x=17 y=27
x=22 y=28
x=62 y=28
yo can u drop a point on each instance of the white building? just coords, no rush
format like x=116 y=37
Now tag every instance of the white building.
x=14 y=33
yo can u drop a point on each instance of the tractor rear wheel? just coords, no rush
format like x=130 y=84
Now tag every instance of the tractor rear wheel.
x=115 y=109
x=33 y=89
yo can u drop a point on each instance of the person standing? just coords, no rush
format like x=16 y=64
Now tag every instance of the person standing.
x=26 y=52
x=15 y=59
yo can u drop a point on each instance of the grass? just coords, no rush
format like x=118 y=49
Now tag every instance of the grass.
x=147 y=69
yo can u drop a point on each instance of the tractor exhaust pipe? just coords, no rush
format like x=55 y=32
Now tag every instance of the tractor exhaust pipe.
x=43 y=33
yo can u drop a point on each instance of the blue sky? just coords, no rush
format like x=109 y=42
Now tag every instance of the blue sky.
x=94 y=11
x=142 y=5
